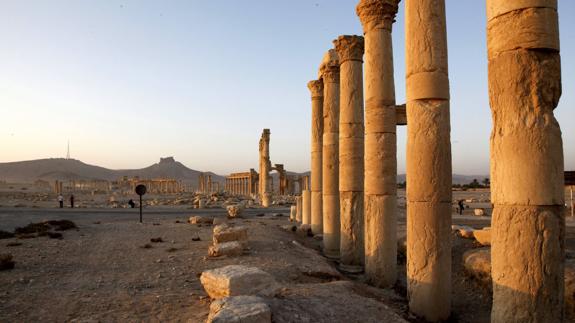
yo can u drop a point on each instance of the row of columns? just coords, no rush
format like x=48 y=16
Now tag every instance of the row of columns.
x=526 y=157
x=244 y=184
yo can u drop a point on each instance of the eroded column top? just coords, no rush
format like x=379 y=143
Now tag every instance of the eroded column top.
x=377 y=14
x=329 y=67
x=349 y=48
x=316 y=88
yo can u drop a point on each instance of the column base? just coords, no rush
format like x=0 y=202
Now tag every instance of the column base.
x=331 y=254
x=350 y=269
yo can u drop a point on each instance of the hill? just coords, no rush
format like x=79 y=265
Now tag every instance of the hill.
x=67 y=169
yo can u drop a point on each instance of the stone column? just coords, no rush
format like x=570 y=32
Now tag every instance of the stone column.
x=298 y=214
x=351 y=165
x=306 y=207
x=428 y=160
x=329 y=70
x=528 y=224
x=265 y=166
x=316 y=89
x=380 y=201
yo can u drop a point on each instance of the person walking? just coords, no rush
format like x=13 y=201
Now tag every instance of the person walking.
x=61 y=200
x=461 y=207
x=72 y=201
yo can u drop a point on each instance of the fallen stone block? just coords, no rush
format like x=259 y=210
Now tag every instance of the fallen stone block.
x=479 y=212
x=313 y=264
x=463 y=230
x=289 y=227
x=200 y=220
x=235 y=280
x=226 y=233
x=477 y=263
x=232 y=248
x=235 y=211
x=483 y=236
x=240 y=309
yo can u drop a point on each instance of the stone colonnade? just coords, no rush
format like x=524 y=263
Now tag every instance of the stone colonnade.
x=245 y=183
x=528 y=224
x=316 y=89
x=526 y=157
x=377 y=18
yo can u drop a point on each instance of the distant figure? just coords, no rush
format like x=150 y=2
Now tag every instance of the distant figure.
x=72 y=201
x=61 y=200
x=131 y=203
x=461 y=207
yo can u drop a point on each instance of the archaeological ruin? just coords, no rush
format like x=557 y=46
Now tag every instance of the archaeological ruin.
x=354 y=161
x=345 y=238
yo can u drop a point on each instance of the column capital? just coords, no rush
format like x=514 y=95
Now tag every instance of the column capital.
x=329 y=67
x=377 y=14
x=349 y=47
x=316 y=88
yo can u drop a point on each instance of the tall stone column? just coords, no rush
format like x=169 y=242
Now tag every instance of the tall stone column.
x=306 y=206
x=428 y=160
x=316 y=89
x=329 y=70
x=528 y=224
x=380 y=200
x=298 y=208
x=351 y=164
x=265 y=166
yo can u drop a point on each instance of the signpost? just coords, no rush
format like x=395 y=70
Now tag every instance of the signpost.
x=141 y=190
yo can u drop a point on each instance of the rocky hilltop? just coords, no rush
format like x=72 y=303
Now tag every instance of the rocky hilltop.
x=66 y=169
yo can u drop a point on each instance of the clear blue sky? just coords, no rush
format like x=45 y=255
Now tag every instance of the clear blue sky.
x=130 y=81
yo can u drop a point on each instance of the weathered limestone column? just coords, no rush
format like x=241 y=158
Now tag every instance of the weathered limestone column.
x=306 y=207
x=298 y=205
x=428 y=160
x=351 y=134
x=528 y=224
x=316 y=89
x=329 y=70
x=265 y=166
x=377 y=16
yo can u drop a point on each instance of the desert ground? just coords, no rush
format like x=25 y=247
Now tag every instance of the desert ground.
x=109 y=270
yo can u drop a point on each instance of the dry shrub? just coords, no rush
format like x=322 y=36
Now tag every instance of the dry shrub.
x=6 y=234
x=13 y=244
x=171 y=249
x=6 y=261
x=62 y=225
x=156 y=240
x=32 y=228
x=146 y=246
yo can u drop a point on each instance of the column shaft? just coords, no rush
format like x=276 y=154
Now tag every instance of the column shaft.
x=428 y=160
x=528 y=224
x=377 y=17
x=329 y=71
x=316 y=88
x=351 y=152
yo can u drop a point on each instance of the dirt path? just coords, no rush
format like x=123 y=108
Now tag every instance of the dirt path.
x=102 y=272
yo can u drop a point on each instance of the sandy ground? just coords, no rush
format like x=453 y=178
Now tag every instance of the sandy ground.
x=102 y=272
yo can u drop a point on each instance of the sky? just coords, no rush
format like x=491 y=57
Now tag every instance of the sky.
x=127 y=82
